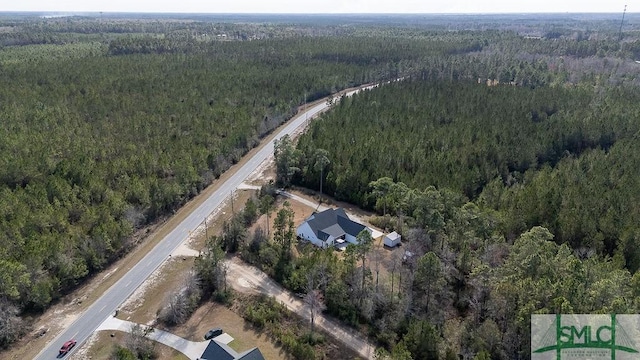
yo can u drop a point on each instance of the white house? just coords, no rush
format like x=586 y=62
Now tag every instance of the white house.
x=392 y=240
x=327 y=228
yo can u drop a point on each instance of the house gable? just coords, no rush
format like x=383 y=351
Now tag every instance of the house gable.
x=219 y=351
x=329 y=225
x=254 y=354
x=350 y=227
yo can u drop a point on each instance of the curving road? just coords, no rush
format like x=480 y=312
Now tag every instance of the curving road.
x=106 y=305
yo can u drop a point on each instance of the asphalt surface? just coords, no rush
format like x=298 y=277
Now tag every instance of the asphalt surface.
x=82 y=328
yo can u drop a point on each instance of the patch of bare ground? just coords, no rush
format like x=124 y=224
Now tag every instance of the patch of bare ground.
x=312 y=195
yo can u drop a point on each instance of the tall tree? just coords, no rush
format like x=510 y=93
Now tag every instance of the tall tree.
x=321 y=162
x=313 y=297
x=284 y=229
x=429 y=287
x=365 y=242
x=380 y=190
x=286 y=158
x=210 y=267
x=267 y=204
x=234 y=234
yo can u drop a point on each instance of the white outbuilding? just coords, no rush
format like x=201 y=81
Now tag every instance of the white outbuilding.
x=392 y=240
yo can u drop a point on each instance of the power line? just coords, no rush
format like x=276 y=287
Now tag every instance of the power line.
x=621 y=23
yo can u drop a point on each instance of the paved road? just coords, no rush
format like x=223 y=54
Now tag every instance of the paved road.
x=106 y=305
x=245 y=278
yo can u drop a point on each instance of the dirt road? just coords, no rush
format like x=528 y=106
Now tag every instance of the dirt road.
x=246 y=278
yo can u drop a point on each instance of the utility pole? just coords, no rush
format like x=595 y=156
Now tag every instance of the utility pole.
x=306 y=114
x=232 y=212
x=206 y=229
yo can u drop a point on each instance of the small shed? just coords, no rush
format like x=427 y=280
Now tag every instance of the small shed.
x=392 y=240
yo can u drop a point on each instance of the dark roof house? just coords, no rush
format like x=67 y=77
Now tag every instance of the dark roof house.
x=323 y=228
x=219 y=351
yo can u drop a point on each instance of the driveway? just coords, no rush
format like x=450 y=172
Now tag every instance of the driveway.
x=247 y=278
x=192 y=349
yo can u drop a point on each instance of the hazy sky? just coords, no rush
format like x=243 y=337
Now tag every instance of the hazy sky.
x=318 y=6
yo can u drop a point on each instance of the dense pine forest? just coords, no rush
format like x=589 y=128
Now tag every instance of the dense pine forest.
x=502 y=150
x=530 y=154
x=107 y=127
x=511 y=173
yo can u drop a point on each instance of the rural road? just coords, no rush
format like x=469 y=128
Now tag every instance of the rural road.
x=248 y=278
x=105 y=306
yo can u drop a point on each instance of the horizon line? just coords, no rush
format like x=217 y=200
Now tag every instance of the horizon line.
x=72 y=12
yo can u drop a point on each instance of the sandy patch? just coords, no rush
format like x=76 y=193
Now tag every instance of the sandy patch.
x=109 y=273
x=245 y=186
x=244 y=283
x=185 y=250
x=66 y=320
x=260 y=171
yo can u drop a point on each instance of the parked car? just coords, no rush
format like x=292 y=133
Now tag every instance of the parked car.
x=212 y=333
x=66 y=347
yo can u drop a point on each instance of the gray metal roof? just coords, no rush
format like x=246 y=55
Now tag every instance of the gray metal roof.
x=219 y=351
x=333 y=222
x=350 y=227
x=253 y=354
x=334 y=230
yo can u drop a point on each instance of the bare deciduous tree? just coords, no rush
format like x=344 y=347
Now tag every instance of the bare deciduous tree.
x=394 y=264
x=376 y=259
x=175 y=310
x=137 y=341
x=11 y=325
x=313 y=298
x=181 y=304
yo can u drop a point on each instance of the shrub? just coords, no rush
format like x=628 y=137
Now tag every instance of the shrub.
x=122 y=353
x=303 y=351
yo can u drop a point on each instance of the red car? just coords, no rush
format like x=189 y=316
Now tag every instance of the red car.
x=66 y=347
